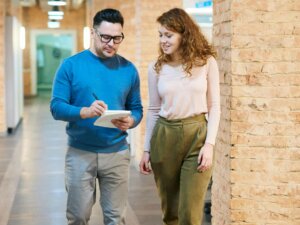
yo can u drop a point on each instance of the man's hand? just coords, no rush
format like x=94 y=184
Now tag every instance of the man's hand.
x=123 y=123
x=144 y=164
x=97 y=108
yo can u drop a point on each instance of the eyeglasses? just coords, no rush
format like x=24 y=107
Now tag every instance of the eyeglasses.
x=105 y=38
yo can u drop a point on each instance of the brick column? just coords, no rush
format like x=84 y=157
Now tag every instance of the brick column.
x=257 y=174
x=222 y=38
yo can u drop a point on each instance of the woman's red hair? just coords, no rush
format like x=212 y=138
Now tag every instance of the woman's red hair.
x=194 y=48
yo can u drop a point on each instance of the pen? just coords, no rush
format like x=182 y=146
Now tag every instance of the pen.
x=102 y=103
x=95 y=96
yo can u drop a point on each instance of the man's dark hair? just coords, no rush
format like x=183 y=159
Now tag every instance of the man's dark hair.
x=108 y=15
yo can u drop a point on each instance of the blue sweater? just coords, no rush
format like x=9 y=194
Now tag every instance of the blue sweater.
x=114 y=80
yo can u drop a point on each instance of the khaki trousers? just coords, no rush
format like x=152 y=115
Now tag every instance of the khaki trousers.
x=175 y=145
x=82 y=170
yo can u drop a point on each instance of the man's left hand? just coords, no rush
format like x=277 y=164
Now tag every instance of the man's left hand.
x=123 y=123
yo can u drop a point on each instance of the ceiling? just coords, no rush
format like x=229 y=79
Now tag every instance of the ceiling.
x=71 y=4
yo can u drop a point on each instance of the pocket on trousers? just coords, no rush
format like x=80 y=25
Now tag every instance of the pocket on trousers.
x=124 y=155
x=155 y=155
x=154 y=136
x=201 y=135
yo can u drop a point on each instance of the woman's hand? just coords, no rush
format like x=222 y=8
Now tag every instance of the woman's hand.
x=144 y=164
x=205 y=157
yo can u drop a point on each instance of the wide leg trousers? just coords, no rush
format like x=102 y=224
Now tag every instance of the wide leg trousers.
x=175 y=145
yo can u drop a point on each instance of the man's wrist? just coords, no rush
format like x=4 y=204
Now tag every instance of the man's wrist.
x=84 y=112
x=132 y=121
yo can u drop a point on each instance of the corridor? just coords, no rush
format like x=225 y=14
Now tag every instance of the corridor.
x=32 y=175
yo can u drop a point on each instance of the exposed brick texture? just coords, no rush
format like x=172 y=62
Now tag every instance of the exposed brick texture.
x=257 y=174
x=147 y=51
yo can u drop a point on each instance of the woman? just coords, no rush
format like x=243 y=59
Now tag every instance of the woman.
x=183 y=118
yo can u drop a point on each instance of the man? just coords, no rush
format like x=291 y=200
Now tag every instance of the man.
x=86 y=85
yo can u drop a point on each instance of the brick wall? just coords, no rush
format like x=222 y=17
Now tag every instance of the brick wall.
x=257 y=176
x=221 y=177
x=147 y=38
x=127 y=8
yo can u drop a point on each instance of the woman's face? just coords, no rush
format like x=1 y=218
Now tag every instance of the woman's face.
x=169 y=41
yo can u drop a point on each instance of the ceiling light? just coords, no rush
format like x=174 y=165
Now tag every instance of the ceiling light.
x=199 y=11
x=23 y=36
x=55 y=17
x=56 y=3
x=86 y=37
x=53 y=24
x=55 y=12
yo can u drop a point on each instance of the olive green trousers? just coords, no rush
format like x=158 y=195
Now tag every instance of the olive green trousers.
x=175 y=145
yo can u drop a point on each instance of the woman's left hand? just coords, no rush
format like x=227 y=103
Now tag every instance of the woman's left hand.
x=205 y=157
x=144 y=164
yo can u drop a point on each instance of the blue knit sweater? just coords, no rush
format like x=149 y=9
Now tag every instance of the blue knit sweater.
x=114 y=80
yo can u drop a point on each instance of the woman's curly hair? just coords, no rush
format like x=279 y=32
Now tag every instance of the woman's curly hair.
x=194 y=48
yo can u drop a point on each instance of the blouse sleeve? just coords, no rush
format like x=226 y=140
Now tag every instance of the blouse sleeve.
x=213 y=101
x=154 y=105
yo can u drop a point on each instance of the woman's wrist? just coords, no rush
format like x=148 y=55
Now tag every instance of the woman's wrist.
x=209 y=144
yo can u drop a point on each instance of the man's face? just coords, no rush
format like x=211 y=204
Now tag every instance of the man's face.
x=107 y=38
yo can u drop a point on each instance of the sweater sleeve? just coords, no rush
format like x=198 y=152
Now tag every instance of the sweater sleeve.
x=60 y=105
x=154 y=105
x=213 y=101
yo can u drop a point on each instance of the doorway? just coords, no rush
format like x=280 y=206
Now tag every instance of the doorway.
x=49 y=49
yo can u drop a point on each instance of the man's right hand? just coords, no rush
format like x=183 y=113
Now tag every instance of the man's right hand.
x=97 y=108
x=144 y=164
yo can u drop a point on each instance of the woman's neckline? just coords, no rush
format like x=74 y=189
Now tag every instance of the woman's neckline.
x=174 y=64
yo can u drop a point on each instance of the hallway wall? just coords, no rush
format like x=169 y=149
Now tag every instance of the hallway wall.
x=7 y=8
x=2 y=62
x=73 y=20
x=257 y=173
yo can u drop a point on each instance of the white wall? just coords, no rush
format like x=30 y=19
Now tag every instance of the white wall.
x=13 y=73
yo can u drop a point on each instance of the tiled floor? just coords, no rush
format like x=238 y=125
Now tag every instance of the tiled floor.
x=32 y=176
